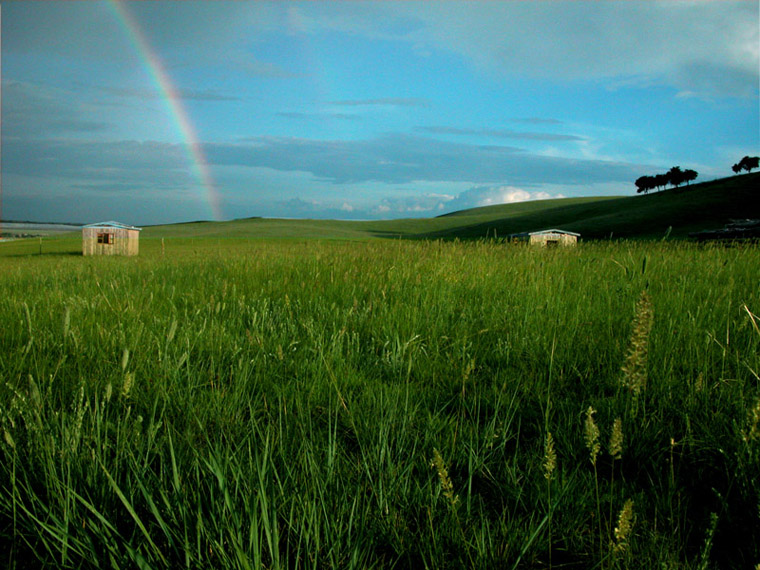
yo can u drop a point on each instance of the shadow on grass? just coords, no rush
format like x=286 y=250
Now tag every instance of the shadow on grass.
x=47 y=254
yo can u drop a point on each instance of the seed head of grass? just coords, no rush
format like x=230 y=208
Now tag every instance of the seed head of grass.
x=591 y=433
x=635 y=367
x=66 y=322
x=129 y=378
x=124 y=359
x=443 y=476
x=699 y=384
x=624 y=527
x=172 y=331
x=707 y=547
x=9 y=439
x=550 y=456
x=753 y=428
x=78 y=408
x=616 y=439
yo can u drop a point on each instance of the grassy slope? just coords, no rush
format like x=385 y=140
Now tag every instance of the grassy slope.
x=278 y=404
x=700 y=206
x=443 y=226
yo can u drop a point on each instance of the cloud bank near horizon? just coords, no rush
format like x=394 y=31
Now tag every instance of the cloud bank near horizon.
x=368 y=109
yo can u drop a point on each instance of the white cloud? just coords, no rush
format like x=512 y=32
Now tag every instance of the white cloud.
x=435 y=204
x=709 y=48
x=480 y=196
x=704 y=47
x=412 y=205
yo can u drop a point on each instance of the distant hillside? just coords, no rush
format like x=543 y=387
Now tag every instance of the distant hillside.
x=686 y=209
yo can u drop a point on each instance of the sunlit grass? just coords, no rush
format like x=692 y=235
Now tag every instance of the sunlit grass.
x=247 y=404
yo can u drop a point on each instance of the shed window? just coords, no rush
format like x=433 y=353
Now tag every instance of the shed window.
x=105 y=238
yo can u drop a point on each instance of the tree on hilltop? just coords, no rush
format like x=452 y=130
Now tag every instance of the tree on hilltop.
x=747 y=163
x=661 y=180
x=689 y=175
x=644 y=184
x=676 y=176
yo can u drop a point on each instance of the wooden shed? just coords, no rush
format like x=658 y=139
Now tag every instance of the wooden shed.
x=546 y=238
x=110 y=238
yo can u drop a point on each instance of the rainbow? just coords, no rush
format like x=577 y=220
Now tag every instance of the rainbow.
x=173 y=102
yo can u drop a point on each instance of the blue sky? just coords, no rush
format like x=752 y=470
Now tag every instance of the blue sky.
x=365 y=109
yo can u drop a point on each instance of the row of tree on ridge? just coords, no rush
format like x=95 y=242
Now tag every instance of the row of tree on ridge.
x=675 y=176
x=747 y=163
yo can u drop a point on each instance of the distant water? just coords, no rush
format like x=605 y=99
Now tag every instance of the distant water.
x=30 y=227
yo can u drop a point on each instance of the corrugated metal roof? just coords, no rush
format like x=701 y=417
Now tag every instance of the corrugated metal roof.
x=112 y=224
x=554 y=231
x=538 y=233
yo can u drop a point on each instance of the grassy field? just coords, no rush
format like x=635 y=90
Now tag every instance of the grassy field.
x=246 y=403
x=675 y=212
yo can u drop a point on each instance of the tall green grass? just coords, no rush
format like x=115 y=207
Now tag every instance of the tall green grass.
x=379 y=404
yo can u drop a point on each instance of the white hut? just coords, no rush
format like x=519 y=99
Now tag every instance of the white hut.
x=110 y=238
x=547 y=238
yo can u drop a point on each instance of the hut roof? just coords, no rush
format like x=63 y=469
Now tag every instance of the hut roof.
x=541 y=232
x=112 y=224
x=554 y=231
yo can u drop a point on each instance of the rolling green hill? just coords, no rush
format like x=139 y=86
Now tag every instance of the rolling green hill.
x=699 y=206
x=709 y=205
x=686 y=209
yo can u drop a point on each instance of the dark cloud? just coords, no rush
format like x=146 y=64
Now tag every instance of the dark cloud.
x=396 y=159
x=64 y=28
x=130 y=169
x=195 y=94
x=137 y=182
x=257 y=68
x=499 y=133
x=536 y=121
x=98 y=30
x=708 y=79
x=121 y=164
x=318 y=116
x=94 y=203
x=31 y=110
x=384 y=102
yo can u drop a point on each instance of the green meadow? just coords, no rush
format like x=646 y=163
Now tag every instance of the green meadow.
x=675 y=212
x=369 y=403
